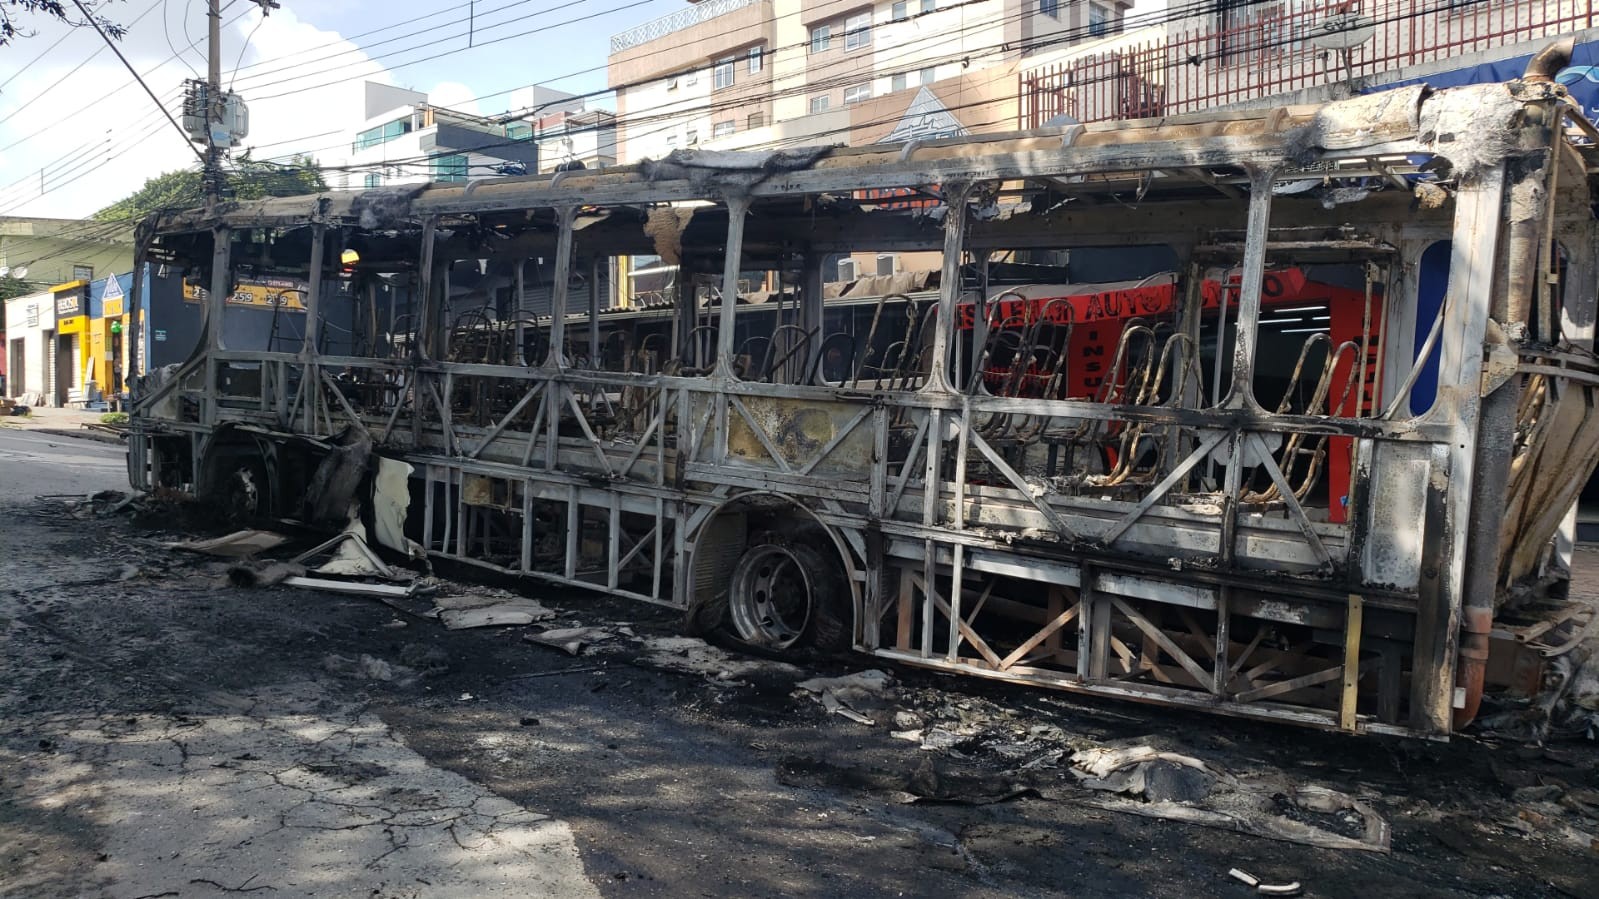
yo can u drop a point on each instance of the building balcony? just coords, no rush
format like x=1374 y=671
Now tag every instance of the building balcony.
x=687 y=17
x=690 y=37
x=1247 y=54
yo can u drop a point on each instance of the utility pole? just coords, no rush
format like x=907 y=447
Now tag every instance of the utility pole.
x=212 y=176
x=216 y=105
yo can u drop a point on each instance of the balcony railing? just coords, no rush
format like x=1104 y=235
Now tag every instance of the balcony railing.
x=1262 y=50
x=683 y=18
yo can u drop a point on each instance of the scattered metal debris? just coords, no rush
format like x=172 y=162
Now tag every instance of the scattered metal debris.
x=694 y=656
x=1179 y=787
x=571 y=640
x=462 y=612
x=351 y=557
x=1266 y=889
x=841 y=695
x=237 y=545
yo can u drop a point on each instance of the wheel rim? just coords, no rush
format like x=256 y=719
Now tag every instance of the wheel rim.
x=770 y=597
x=243 y=495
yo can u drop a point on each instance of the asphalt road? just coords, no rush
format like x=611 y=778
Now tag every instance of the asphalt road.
x=34 y=464
x=165 y=734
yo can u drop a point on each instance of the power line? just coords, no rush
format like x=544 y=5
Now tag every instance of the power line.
x=153 y=98
x=67 y=118
x=443 y=54
x=1050 y=40
x=943 y=37
x=166 y=28
x=1170 y=14
x=74 y=70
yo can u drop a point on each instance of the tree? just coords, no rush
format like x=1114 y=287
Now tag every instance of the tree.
x=250 y=180
x=11 y=11
x=12 y=286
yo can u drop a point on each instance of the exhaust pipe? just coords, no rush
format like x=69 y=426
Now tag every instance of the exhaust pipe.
x=1548 y=62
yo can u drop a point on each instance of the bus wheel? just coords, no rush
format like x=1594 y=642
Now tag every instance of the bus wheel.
x=784 y=594
x=245 y=493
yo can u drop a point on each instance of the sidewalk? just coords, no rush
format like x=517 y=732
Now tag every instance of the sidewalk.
x=60 y=422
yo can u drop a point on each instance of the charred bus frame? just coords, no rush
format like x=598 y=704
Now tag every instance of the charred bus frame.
x=910 y=514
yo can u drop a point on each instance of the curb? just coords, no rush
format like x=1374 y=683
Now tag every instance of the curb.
x=84 y=434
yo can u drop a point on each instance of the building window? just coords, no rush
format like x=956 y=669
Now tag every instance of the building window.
x=755 y=120
x=857 y=31
x=927 y=74
x=821 y=38
x=722 y=129
x=373 y=180
x=382 y=133
x=450 y=168
x=671 y=82
x=83 y=273
x=757 y=59
x=898 y=82
x=929 y=5
x=899 y=12
x=722 y=75
x=693 y=137
x=857 y=93
x=691 y=77
x=519 y=131
x=1049 y=8
x=1098 y=20
x=671 y=142
x=819 y=103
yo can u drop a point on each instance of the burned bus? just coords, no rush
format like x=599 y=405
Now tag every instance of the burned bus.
x=1275 y=414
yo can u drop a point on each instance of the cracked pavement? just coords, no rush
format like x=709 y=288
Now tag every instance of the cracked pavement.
x=289 y=789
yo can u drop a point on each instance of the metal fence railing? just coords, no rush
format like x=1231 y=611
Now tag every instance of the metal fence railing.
x=1260 y=50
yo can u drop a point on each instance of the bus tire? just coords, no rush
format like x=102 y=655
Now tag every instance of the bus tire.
x=784 y=594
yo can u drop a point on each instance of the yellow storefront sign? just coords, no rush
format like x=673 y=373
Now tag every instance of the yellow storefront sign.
x=265 y=294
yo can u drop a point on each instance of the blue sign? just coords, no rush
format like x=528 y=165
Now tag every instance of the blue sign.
x=1580 y=77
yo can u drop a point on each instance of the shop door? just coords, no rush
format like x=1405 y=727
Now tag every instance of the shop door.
x=50 y=369
x=17 y=370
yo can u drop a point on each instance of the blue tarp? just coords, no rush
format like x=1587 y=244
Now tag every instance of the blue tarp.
x=1581 y=77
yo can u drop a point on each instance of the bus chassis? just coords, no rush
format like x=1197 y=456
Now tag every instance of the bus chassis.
x=1157 y=539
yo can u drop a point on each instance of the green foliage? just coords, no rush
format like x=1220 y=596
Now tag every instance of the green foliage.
x=12 y=286
x=114 y=418
x=13 y=24
x=249 y=180
x=173 y=190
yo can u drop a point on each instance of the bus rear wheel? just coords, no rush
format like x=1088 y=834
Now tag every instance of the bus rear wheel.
x=784 y=595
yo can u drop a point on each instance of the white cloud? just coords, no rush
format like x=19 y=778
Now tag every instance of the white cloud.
x=454 y=95
x=324 y=72
x=73 y=130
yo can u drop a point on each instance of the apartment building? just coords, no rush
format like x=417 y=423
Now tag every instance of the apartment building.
x=1247 y=52
x=761 y=73
x=586 y=137
x=404 y=139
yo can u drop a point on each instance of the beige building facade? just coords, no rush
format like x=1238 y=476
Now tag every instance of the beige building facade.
x=736 y=74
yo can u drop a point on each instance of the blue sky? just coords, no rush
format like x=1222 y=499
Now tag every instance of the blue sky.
x=76 y=132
